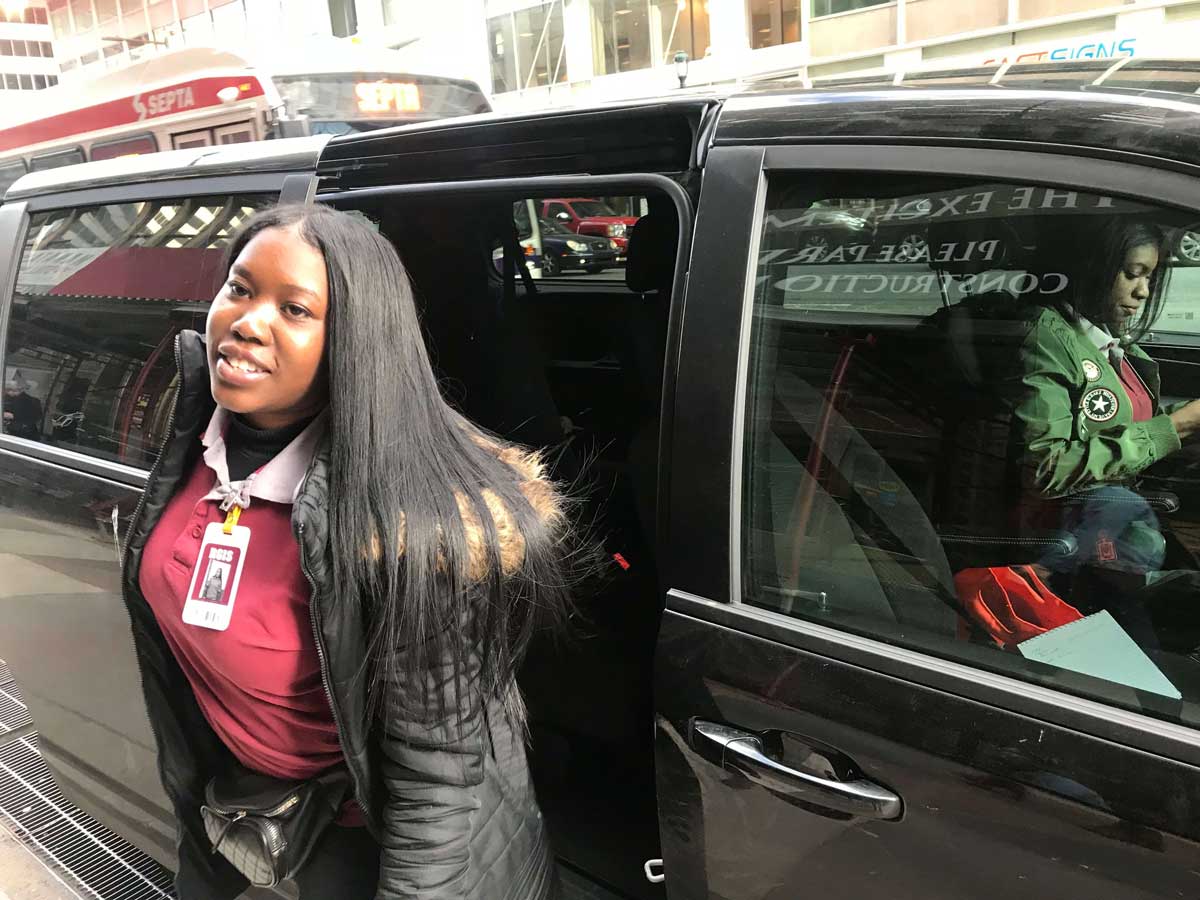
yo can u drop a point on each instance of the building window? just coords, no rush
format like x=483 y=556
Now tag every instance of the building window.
x=82 y=11
x=833 y=7
x=684 y=26
x=503 y=54
x=162 y=13
x=636 y=34
x=60 y=21
x=774 y=22
x=133 y=17
x=106 y=17
x=11 y=82
x=26 y=82
x=621 y=31
x=527 y=48
x=39 y=82
x=392 y=14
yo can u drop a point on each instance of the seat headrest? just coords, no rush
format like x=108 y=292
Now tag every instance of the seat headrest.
x=650 y=255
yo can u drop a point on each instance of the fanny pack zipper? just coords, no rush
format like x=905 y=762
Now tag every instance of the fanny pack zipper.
x=240 y=813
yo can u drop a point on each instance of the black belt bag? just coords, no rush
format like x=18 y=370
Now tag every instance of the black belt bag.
x=266 y=827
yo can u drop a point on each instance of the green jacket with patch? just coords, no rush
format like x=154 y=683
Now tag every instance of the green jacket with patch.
x=1074 y=417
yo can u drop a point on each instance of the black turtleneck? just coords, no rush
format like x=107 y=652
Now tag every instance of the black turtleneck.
x=248 y=449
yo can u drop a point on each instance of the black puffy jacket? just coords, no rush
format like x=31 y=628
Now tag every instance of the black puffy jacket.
x=450 y=802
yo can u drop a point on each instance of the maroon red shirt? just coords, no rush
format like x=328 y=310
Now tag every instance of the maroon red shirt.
x=1140 y=401
x=258 y=682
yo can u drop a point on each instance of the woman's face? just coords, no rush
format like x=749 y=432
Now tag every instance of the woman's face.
x=1131 y=287
x=266 y=331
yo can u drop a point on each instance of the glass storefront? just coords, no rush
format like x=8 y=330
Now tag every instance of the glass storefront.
x=526 y=48
x=637 y=34
x=773 y=22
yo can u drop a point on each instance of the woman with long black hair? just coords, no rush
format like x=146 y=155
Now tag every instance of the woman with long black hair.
x=382 y=563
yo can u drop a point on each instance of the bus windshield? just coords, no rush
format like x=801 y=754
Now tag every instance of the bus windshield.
x=343 y=102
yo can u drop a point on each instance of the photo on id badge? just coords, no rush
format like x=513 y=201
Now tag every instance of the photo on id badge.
x=215 y=577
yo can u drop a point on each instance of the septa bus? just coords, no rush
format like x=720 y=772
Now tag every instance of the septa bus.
x=198 y=96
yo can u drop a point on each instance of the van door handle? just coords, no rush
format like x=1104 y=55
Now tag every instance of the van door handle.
x=743 y=752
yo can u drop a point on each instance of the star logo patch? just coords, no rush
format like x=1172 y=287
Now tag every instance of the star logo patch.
x=1099 y=404
x=1091 y=371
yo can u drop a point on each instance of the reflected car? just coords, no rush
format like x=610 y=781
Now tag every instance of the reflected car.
x=590 y=216
x=564 y=250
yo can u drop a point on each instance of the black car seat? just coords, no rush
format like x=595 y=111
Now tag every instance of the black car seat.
x=972 y=345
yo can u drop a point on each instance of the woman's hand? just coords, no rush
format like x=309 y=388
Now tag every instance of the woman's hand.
x=1186 y=419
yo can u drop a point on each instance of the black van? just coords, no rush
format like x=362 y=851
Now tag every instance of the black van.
x=781 y=414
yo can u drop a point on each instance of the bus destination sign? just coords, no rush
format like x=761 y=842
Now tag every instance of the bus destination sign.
x=387 y=96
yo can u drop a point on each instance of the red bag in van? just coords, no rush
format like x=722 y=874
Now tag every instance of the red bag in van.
x=1011 y=603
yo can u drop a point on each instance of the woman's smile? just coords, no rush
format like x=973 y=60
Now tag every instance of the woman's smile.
x=237 y=367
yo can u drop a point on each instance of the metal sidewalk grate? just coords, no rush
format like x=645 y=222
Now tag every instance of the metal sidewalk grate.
x=13 y=712
x=92 y=859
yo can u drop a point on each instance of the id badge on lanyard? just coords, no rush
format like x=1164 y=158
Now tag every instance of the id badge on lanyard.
x=217 y=573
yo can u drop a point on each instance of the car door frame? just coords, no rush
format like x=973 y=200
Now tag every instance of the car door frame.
x=703 y=544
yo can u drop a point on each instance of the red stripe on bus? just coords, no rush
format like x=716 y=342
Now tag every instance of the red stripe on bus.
x=144 y=107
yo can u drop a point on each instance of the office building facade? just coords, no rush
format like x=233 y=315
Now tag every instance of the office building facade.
x=530 y=54
x=570 y=51
x=27 y=60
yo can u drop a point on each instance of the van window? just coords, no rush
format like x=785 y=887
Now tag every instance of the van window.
x=957 y=440
x=56 y=160
x=129 y=146
x=9 y=173
x=101 y=293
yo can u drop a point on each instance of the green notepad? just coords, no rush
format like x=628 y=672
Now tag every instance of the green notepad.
x=1098 y=646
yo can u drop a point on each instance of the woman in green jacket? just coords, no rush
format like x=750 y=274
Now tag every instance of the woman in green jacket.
x=1087 y=405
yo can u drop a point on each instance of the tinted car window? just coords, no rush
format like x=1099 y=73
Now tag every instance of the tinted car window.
x=101 y=293
x=942 y=450
x=56 y=160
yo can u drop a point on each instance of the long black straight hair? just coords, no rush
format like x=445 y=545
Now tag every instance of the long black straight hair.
x=478 y=536
x=1090 y=252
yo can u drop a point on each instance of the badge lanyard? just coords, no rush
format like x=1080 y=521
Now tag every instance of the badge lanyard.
x=217 y=572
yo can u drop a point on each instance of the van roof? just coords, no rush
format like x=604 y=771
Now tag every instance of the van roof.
x=289 y=154
x=1101 y=121
x=671 y=134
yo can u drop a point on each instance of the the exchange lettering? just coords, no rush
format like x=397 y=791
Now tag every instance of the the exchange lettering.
x=1013 y=282
x=1008 y=200
x=996 y=201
